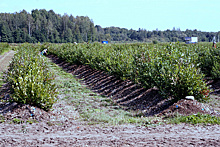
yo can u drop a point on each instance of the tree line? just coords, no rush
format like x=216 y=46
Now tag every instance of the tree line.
x=47 y=26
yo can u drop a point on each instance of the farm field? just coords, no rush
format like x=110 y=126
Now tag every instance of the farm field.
x=90 y=111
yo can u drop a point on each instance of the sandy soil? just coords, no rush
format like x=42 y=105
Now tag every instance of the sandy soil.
x=61 y=127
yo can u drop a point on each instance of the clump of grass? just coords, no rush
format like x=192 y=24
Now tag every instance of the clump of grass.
x=2 y=119
x=31 y=121
x=195 y=119
x=17 y=121
x=50 y=123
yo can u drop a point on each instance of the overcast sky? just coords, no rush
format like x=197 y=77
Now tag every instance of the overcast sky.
x=147 y=14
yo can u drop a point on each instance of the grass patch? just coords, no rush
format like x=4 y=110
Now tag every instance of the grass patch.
x=4 y=51
x=17 y=121
x=195 y=119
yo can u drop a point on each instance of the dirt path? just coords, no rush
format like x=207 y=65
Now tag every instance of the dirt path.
x=76 y=134
x=4 y=60
x=71 y=131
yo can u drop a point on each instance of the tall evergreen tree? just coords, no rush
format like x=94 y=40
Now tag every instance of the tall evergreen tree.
x=4 y=36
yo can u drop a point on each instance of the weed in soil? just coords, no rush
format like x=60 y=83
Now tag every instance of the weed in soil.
x=2 y=119
x=194 y=119
x=17 y=121
x=31 y=121
x=50 y=123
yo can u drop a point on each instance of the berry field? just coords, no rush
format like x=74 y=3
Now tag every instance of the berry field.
x=110 y=95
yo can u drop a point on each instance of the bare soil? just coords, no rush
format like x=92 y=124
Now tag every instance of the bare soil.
x=62 y=126
x=74 y=133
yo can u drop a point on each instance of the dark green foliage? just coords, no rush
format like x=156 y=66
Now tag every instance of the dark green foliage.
x=47 y=26
x=209 y=59
x=4 y=36
x=215 y=72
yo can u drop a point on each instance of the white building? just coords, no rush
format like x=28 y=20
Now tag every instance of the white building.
x=189 y=40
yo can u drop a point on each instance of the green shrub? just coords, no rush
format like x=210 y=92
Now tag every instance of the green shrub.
x=209 y=60
x=30 y=80
x=215 y=72
x=173 y=68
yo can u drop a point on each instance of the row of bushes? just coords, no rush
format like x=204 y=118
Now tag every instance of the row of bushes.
x=30 y=80
x=209 y=59
x=174 y=68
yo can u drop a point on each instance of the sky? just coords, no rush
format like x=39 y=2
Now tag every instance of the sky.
x=202 y=15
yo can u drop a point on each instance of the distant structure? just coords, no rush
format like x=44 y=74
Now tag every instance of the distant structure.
x=191 y=40
x=105 y=42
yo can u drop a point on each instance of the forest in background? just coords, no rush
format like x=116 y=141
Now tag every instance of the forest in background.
x=47 y=26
